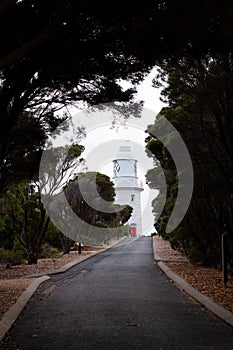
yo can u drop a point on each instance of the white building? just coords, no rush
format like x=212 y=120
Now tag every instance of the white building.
x=128 y=187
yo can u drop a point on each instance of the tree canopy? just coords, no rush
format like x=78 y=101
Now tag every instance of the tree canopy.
x=58 y=52
x=85 y=194
x=55 y=53
x=199 y=93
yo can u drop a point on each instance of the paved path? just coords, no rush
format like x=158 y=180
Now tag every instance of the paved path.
x=116 y=300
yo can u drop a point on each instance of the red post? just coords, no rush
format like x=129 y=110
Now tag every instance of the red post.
x=133 y=231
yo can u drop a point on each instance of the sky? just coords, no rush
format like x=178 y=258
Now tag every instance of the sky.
x=102 y=144
x=102 y=140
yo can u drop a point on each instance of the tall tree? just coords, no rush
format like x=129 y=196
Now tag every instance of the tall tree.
x=59 y=52
x=23 y=204
x=85 y=195
x=199 y=93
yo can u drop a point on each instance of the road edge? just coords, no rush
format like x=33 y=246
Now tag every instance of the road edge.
x=73 y=263
x=11 y=315
x=13 y=312
x=206 y=301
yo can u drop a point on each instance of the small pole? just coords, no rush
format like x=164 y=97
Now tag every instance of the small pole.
x=224 y=258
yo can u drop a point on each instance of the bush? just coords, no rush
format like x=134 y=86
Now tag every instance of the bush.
x=18 y=248
x=153 y=234
x=197 y=257
x=52 y=236
x=47 y=251
x=9 y=257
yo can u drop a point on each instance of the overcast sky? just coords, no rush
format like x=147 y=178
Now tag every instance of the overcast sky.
x=102 y=143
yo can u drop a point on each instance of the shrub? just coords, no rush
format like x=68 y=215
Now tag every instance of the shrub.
x=9 y=257
x=47 y=251
x=196 y=256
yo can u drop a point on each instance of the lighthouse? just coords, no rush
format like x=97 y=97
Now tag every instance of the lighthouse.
x=128 y=187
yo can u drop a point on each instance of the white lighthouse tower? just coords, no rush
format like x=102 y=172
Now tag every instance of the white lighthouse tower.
x=128 y=187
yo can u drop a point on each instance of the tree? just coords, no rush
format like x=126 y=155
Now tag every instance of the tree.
x=199 y=93
x=22 y=205
x=10 y=212
x=34 y=223
x=91 y=196
x=20 y=155
x=58 y=166
x=57 y=53
x=38 y=77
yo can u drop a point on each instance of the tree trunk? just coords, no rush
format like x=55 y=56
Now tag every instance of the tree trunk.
x=66 y=249
x=32 y=258
x=66 y=242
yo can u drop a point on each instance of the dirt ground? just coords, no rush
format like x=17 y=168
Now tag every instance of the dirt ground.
x=13 y=281
x=207 y=281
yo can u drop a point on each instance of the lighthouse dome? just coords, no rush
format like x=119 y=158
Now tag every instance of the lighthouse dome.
x=125 y=152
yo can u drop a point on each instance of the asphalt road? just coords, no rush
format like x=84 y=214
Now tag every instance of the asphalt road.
x=117 y=299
